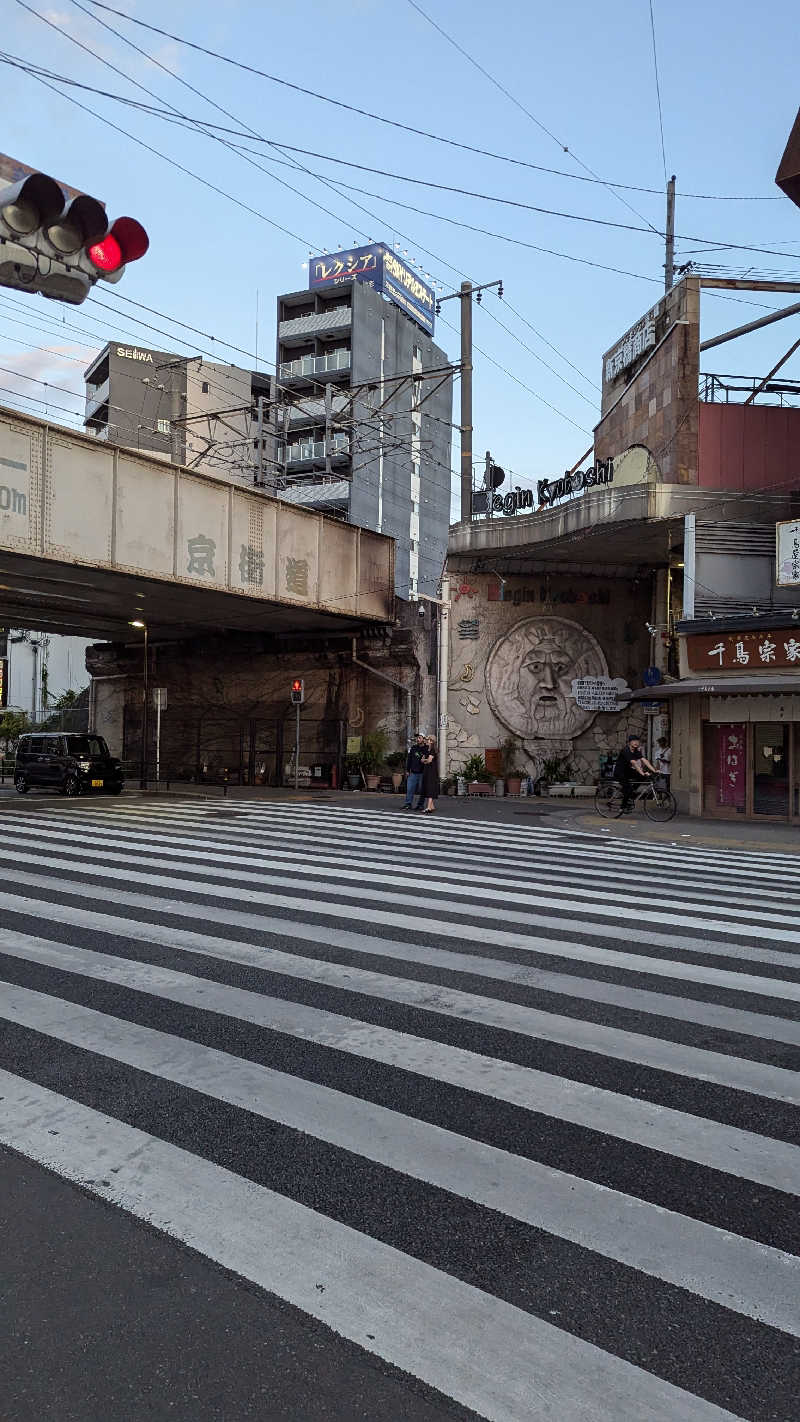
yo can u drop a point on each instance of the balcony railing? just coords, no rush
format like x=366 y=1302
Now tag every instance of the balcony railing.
x=314 y=449
x=737 y=389
x=315 y=365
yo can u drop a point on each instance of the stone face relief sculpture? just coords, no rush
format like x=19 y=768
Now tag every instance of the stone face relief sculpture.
x=529 y=673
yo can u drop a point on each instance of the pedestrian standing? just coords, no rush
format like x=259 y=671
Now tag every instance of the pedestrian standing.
x=430 y=777
x=663 y=759
x=414 y=771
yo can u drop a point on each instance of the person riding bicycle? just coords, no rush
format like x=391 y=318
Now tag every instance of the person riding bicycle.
x=631 y=769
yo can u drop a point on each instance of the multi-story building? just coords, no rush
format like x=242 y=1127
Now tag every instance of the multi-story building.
x=185 y=409
x=363 y=415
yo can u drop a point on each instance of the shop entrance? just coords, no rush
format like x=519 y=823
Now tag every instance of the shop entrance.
x=751 y=769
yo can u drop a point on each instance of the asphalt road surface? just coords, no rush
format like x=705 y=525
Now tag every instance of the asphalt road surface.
x=314 y=1112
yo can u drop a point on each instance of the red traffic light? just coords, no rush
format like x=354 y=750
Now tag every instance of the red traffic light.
x=297 y=684
x=106 y=254
x=126 y=242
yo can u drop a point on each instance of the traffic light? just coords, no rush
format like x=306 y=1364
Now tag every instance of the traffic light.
x=298 y=691
x=60 y=245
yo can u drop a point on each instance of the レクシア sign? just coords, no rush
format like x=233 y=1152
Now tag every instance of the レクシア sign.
x=381 y=268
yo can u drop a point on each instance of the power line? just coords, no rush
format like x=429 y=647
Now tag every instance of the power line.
x=408 y=128
x=658 y=92
x=518 y=104
x=201 y=126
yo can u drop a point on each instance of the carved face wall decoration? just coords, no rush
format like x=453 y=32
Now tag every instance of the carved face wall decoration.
x=529 y=673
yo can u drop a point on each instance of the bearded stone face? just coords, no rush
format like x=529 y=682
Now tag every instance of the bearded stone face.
x=544 y=687
x=529 y=675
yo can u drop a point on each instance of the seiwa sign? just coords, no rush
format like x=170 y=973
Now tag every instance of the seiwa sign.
x=382 y=269
x=132 y=353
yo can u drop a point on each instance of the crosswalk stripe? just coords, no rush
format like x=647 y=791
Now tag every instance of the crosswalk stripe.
x=573 y=951
x=271 y=847
x=721 y=1147
x=511 y=1106
x=749 y=1278
x=590 y=990
x=480 y=839
x=515 y=890
x=411 y=918
x=415 y=1317
x=737 y=1073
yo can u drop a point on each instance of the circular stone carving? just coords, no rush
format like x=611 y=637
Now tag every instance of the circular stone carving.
x=529 y=672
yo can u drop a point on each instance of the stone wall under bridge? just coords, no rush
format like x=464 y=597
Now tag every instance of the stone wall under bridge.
x=512 y=662
x=229 y=714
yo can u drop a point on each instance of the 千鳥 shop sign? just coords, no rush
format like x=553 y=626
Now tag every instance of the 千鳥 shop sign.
x=382 y=269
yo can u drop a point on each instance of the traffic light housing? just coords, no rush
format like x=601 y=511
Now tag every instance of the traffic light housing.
x=59 y=242
x=298 y=691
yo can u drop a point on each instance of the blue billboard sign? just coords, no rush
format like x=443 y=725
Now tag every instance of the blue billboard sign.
x=382 y=269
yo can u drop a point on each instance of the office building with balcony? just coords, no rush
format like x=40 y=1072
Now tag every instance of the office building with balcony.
x=362 y=421
x=185 y=409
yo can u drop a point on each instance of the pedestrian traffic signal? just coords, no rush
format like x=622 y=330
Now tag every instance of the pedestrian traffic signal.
x=60 y=245
x=298 y=691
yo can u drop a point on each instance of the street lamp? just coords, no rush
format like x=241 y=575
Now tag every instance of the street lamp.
x=143 y=761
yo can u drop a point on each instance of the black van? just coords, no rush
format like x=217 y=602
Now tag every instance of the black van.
x=69 y=764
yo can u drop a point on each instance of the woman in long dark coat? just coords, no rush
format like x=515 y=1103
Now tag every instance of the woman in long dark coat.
x=430 y=777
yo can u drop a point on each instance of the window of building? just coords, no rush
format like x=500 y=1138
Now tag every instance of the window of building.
x=417 y=353
x=204 y=387
x=162 y=426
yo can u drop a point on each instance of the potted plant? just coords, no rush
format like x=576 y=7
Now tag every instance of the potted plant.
x=513 y=777
x=478 y=778
x=373 y=754
x=352 y=770
x=395 y=763
x=555 y=770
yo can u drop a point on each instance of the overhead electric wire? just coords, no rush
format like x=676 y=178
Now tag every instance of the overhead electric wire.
x=100 y=58
x=523 y=109
x=658 y=92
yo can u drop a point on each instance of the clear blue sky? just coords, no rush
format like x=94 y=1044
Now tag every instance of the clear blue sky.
x=729 y=89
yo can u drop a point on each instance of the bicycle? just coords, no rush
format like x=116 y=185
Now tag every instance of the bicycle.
x=659 y=804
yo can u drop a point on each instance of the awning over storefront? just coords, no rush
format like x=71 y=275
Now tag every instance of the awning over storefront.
x=723 y=686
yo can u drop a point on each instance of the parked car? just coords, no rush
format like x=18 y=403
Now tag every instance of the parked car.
x=69 y=764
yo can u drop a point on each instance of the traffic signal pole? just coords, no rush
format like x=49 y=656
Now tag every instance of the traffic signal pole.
x=297 y=747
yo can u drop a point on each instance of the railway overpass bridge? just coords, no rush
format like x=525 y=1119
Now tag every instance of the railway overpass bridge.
x=94 y=536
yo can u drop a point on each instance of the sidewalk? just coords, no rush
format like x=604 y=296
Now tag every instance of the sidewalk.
x=575 y=815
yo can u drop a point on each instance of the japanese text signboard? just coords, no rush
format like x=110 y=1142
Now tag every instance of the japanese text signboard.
x=382 y=269
x=732 y=765
x=735 y=651
x=787 y=561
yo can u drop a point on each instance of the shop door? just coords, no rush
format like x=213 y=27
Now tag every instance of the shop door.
x=771 y=769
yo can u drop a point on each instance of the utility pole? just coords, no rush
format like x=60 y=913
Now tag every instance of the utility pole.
x=466 y=401
x=465 y=295
x=669 y=264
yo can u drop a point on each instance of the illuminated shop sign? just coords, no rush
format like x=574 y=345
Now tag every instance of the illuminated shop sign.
x=382 y=269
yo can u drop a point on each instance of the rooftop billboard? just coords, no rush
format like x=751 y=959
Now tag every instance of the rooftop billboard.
x=382 y=269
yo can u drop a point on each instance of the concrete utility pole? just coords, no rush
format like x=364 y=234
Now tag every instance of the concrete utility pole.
x=466 y=401
x=669 y=264
x=465 y=295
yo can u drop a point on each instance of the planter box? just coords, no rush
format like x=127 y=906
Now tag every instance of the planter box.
x=477 y=787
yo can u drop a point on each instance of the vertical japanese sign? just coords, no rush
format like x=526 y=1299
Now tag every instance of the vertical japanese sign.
x=733 y=764
x=787 y=561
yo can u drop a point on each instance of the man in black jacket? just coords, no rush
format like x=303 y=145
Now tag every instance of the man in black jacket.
x=631 y=769
x=414 y=771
